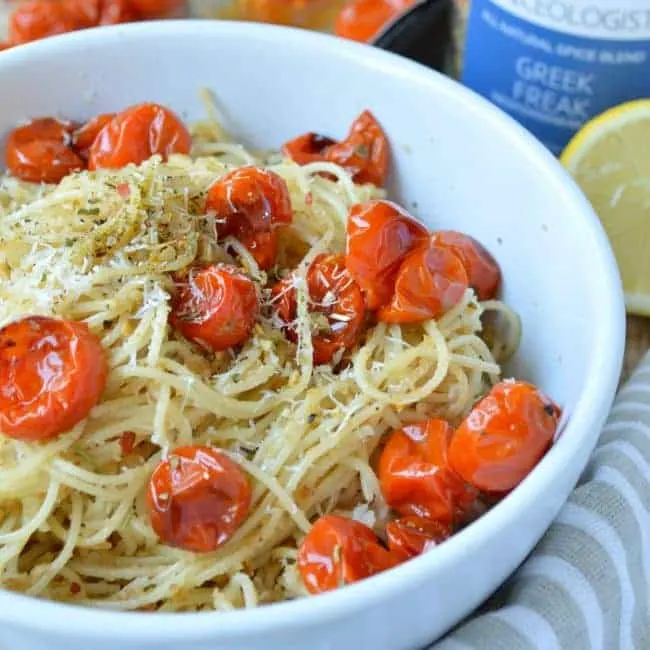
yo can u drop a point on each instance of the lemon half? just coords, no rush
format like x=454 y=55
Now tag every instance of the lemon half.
x=610 y=160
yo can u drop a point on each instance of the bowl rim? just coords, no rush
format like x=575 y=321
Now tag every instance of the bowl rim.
x=590 y=410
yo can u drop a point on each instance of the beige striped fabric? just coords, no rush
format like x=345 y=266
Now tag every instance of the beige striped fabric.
x=587 y=584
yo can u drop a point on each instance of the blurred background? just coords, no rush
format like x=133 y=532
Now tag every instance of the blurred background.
x=26 y=20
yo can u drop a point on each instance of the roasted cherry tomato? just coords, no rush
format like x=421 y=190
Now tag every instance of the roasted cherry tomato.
x=197 y=499
x=338 y=551
x=87 y=13
x=415 y=475
x=482 y=269
x=40 y=151
x=36 y=19
x=362 y=20
x=136 y=134
x=312 y=14
x=156 y=8
x=380 y=235
x=308 y=148
x=216 y=307
x=504 y=436
x=411 y=536
x=431 y=280
x=248 y=204
x=84 y=136
x=5 y=46
x=249 y=199
x=263 y=246
x=114 y=12
x=333 y=295
x=52 y=373
x=364 y=153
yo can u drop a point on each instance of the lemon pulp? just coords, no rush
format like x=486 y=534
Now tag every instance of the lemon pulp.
x=610 y=160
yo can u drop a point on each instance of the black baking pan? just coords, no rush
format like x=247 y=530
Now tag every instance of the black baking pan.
x=424 y=34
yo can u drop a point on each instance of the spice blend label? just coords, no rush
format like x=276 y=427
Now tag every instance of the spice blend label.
x=554 y=64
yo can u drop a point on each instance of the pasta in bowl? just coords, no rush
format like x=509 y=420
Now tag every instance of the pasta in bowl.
x=455 y=164
x=232 y=378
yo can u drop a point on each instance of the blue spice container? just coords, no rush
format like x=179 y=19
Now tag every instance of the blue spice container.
x=554 y=64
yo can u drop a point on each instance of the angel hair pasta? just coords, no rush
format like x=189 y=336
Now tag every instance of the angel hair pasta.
x=217 y=365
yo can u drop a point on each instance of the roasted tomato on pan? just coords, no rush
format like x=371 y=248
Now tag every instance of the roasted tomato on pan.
x=32 y=20
x=363 y=20
x=156 y=8
x=36 y=19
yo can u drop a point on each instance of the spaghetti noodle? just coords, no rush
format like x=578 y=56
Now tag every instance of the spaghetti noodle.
x=101 y=247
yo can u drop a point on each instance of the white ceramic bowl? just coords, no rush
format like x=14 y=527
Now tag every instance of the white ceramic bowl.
x=458 y=163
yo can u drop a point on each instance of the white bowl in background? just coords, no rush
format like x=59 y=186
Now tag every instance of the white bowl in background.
x=458 y=163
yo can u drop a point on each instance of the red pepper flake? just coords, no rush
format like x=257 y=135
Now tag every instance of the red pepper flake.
x=309 y=198
x=75 y=588
x=124 y=190
x=127 y=442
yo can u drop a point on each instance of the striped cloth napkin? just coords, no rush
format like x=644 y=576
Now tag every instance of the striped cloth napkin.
x=587 y=584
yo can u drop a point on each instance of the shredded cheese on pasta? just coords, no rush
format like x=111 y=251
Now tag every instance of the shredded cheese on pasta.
x=100 y=247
